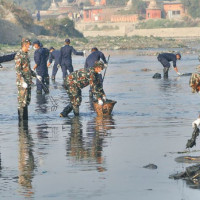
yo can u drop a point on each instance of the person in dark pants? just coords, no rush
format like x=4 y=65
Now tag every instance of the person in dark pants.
x=24 y=79
x=38 y=16
x=79 y=79
x=65 y=60
x=90 y=61
x=54 y=55
x=165 y=59
x=40 y=65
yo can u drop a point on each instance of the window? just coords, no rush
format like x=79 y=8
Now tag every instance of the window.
x=176 y=12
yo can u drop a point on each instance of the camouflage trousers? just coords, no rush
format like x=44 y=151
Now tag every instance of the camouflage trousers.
x=75 y=95
x=194 y=82
x=24 y=96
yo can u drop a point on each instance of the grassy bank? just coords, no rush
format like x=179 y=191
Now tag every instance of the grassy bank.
x=109 y=43
x=166 y=23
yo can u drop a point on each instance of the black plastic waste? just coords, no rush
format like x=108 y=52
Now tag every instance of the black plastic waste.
x=157 y=76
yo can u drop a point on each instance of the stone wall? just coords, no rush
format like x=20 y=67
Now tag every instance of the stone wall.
x=128 y=29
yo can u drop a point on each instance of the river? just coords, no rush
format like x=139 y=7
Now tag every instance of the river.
x=90 y=157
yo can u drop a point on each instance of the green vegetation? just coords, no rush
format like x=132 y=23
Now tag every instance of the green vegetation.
x=62 y=28
x=193 y=7
x=117 y=2
x=32 y=5
x=21 y=15
x=139 y=7
x=166 y=23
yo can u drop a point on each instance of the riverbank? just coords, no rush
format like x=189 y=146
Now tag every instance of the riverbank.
x=145 y=44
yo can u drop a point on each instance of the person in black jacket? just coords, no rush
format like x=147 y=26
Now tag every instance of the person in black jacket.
x=165 y=59
x=54 y=55
x=95 y=55
x=40 y=58
x=6 y=58
x=90 y=61
x=65 y=60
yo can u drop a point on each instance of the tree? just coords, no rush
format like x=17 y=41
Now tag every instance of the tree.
x=117 y=2
x=193 y=7
x=139 y=7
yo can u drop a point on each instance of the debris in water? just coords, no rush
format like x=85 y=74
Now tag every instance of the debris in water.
x=157 y=76
x=150 y=166
x=146 y=70
x=191 y=142
x=191 y=174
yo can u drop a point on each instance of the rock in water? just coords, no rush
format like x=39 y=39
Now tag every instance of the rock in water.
x=150 y=166
x=157 y=76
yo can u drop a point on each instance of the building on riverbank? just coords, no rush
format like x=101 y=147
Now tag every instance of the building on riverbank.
x=173 y=9
x=153 y=11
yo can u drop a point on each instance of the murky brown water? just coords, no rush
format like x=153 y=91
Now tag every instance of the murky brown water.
x=88 y=157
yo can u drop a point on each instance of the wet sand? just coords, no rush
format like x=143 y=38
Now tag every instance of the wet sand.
x=88 y=157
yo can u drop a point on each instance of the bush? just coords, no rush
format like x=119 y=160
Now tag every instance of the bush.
x=166 y=23
x=61 y=28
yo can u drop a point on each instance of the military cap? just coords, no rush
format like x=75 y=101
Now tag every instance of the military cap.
x=25 y=40
x=67 y=40
x=99 y=64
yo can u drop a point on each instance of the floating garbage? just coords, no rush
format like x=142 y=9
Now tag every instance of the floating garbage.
x=191 y=174
x=191 y=142
x=186 y=74
x=150 y=166
x=157 y=76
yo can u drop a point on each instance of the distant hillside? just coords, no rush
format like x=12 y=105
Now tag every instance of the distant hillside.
x=14 y=22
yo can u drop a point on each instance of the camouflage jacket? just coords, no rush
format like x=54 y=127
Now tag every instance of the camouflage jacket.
x=23 y=68
x=84 y=77
x=194 y=81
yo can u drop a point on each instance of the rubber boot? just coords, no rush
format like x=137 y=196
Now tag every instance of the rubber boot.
x=39 y=91
x=20 y=114
x=46 y=80
x=23 y=114
x=76 y=110
x=66 y=110
x=165 y=72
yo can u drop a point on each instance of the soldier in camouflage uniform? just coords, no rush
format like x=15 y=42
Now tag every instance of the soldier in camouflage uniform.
x=80 y=79
x=195 y=82
x=24 y=79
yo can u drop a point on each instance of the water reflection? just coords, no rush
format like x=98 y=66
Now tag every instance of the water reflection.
x=26 y=160
x=89 y=146
x=167 y=84
x=0 y=161
x=41 y=101
x=42 y=131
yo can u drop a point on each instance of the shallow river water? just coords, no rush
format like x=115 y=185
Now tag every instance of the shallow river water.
x=90 y=157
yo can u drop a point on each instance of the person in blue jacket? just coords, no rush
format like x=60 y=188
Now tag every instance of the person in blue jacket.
x=54 y=55
x=65 y=60
x=6 y=58
x=165 y=59
x=40 y=58
x=95 y=55
x=90 y=61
